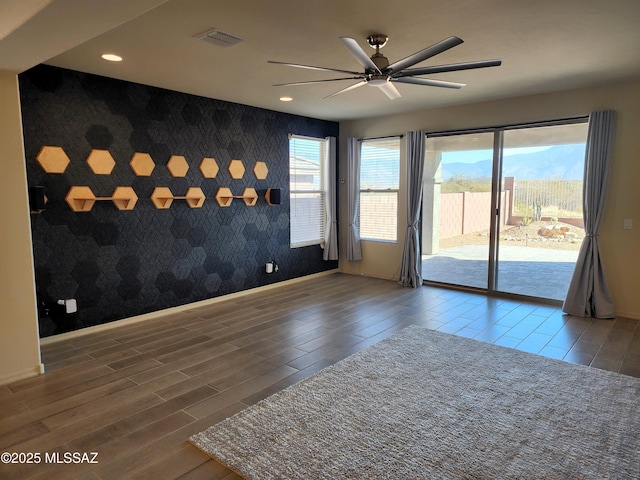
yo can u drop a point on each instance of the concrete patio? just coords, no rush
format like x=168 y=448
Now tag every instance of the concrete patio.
x=536 y=272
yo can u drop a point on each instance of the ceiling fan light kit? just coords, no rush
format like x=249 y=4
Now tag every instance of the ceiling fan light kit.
x=378 y=72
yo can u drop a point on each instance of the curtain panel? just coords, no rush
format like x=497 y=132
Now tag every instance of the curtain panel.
x=588 y=294
x=331 y=229
x=354 y=251
x=411 y=264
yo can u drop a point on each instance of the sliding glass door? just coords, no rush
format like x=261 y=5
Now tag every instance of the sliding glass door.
x=540 y=226
x=456 y=209
x=502 y=208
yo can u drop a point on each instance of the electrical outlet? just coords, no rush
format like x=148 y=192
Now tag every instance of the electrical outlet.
x=627 y=224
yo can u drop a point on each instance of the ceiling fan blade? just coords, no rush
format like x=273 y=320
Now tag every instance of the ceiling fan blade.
x=311 y=67
x=357 y=51
x=390 y=90
x=428 y=52
x=427 y=82
x=351 y=87
x=315 y=81
x=453 y=67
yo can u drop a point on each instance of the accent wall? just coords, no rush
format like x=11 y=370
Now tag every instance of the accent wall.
x=121 y=263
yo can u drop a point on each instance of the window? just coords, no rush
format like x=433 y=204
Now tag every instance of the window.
x=379 y=179
x=307 y=157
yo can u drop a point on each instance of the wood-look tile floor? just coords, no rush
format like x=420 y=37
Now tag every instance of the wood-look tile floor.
x=134 y=394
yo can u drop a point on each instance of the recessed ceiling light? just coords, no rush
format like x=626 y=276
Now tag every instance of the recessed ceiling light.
x=286 y=99
x=112 y=57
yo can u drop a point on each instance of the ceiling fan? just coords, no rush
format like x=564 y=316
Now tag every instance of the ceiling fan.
x=378 y=72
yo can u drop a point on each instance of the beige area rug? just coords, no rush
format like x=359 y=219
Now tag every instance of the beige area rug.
x=428 y=405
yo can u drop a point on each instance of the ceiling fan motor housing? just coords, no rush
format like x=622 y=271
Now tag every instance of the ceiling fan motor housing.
x=380 y=60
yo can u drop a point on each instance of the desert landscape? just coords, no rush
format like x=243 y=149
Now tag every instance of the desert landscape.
x=540 y=234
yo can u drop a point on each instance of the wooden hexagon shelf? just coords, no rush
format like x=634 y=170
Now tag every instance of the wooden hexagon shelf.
x=101 y=162
x=224 y=197
x=80 y=199
x=195 y=197
x=236 y=169
x=260 y=170
x=250 y=196
x=209 y=167
x=178 y=166
x=53 y=159
x=162 y=197
x=124 y=198
x=142 y=164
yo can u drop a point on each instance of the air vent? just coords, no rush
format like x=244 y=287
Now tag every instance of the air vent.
x=220 y=38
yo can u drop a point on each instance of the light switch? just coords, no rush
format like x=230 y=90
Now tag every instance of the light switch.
x=627 y=224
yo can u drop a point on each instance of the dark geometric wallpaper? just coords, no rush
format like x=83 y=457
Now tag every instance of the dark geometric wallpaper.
x=118 y=264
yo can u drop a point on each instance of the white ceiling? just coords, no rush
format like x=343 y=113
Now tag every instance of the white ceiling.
x=545 y=45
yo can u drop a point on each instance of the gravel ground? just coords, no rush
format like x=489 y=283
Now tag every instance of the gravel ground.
x=523 y=236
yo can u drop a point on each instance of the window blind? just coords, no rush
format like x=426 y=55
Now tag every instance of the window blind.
x=379 y=184
x=307 y=190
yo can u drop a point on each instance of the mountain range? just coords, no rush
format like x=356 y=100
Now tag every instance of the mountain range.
x=564 y=162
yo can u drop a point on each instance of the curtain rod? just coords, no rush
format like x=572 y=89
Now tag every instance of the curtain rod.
x=542 y=123
x=380 y=138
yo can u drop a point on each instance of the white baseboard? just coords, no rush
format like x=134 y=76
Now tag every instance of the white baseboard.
x=174 y=310
x=21 y=375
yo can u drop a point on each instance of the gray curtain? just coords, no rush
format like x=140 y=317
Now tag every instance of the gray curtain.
x=331 y=229
x=354 y=251
x=588 y=294
x=411 y=266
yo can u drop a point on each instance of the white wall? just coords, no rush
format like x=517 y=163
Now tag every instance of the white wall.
x=19 y=344
x=619 y=247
